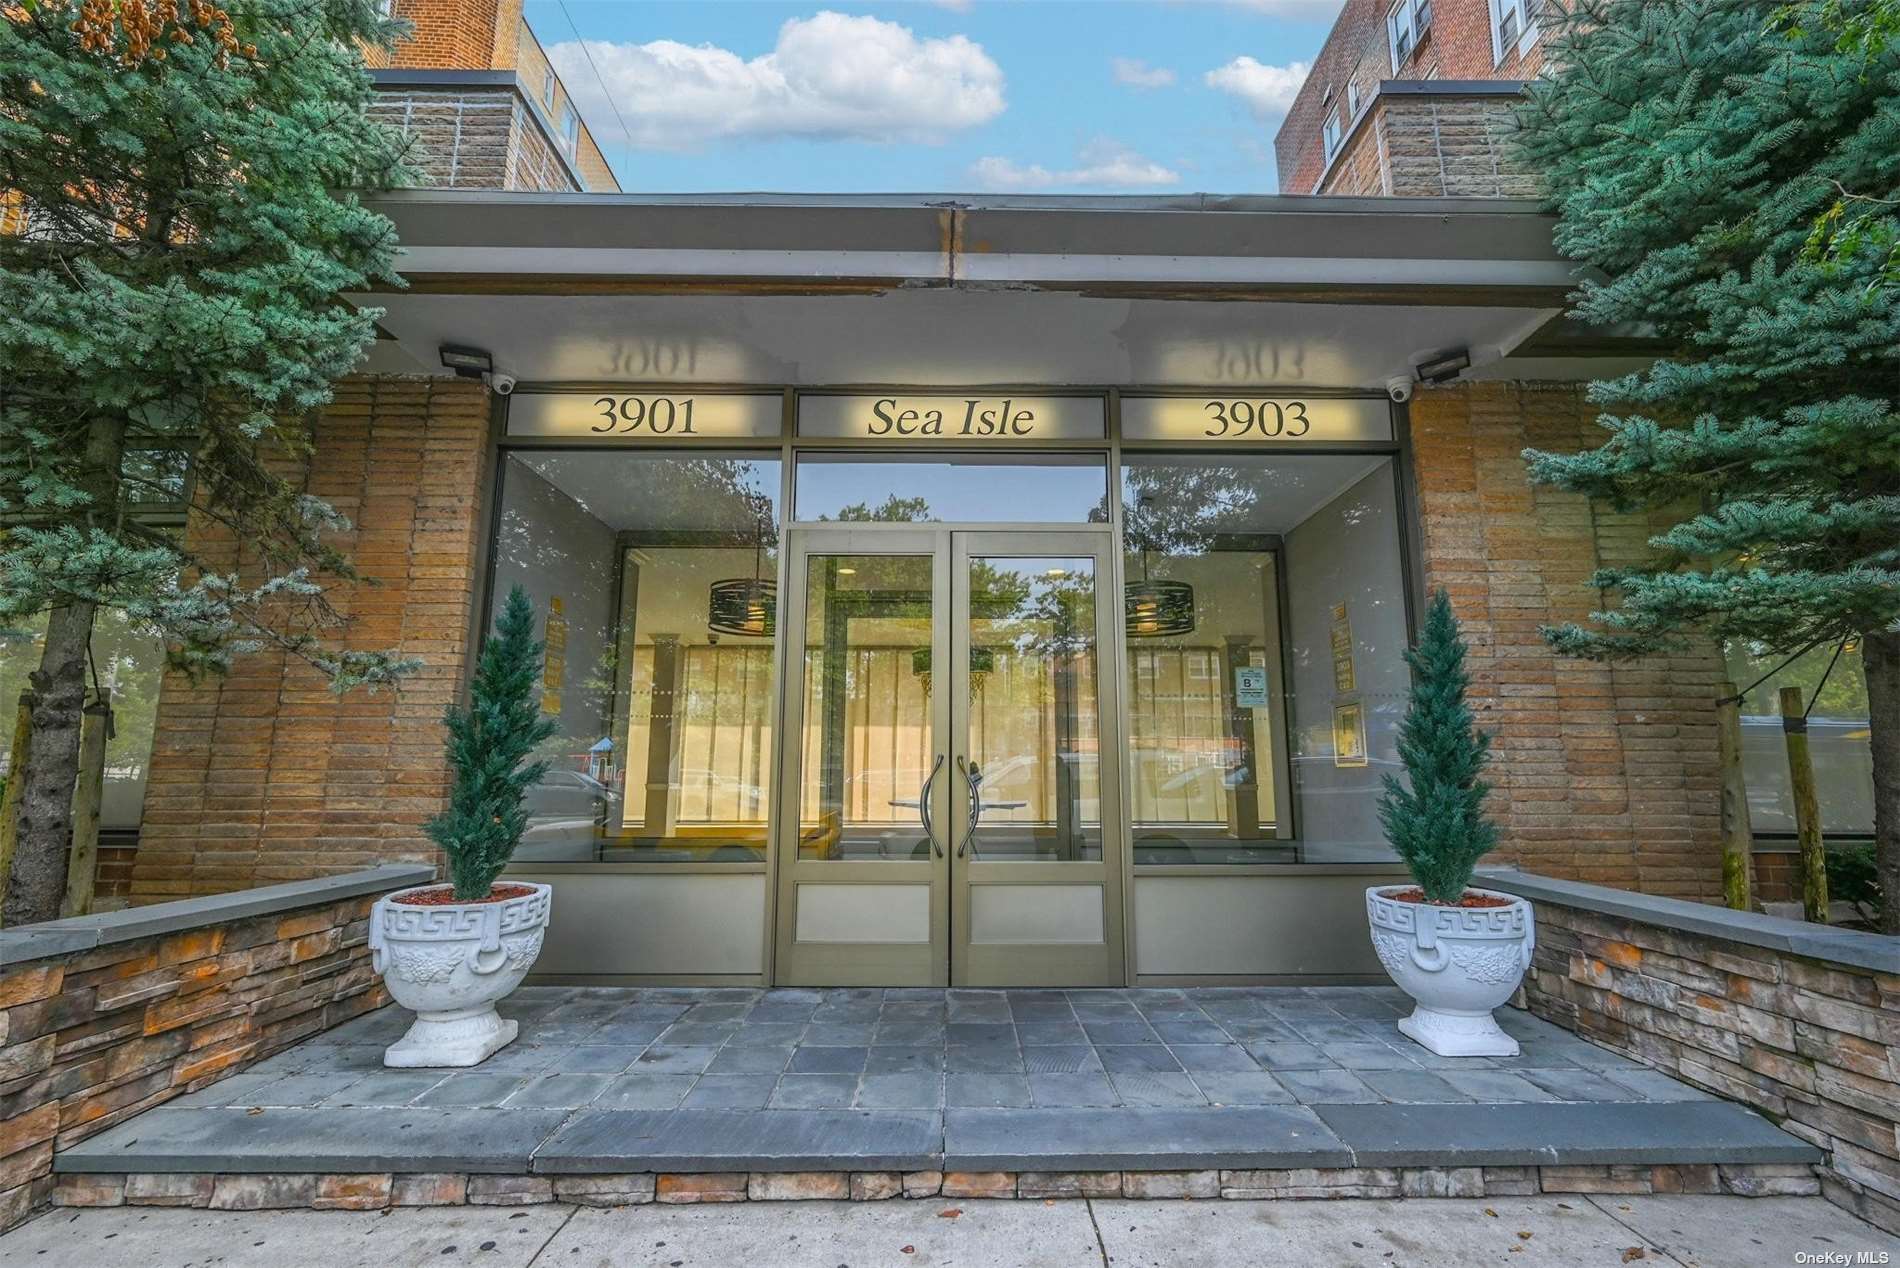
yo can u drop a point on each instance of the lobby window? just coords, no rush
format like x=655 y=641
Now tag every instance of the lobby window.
x=652 y=577
x=1834 y=690
x=1266 y=618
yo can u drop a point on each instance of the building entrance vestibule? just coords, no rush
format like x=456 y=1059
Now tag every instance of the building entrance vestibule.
x=947 y=816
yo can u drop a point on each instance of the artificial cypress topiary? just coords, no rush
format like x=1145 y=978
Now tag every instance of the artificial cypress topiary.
x=489 y=743
x=1437 y=825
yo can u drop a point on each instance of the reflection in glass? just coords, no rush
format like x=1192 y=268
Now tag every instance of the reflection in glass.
x=130 y=663
x=1048 y=488
x=1034 y=717
x=664 y=747
x=866 y=749
x=1259 y=727
x=1835 y=689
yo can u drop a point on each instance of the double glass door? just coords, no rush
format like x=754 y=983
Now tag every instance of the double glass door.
x=950 y=798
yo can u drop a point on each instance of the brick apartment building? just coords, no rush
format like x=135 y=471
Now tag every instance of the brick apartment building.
x=474 y=87
x=1266 y=426
x=1413 y=97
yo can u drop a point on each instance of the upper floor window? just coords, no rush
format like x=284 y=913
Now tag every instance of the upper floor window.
x=1330 y=133
x=1352 y=101
x=1513 y=26
x=547 y=89
x=1405 y=24
x=570 y=126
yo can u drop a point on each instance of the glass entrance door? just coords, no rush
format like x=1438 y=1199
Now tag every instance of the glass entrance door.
x=950 y=812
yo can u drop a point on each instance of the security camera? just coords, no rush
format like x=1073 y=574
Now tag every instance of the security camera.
x=1399 y=389
x=504 y=384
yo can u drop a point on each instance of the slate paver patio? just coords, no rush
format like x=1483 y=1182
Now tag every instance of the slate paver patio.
x=1050 y=1078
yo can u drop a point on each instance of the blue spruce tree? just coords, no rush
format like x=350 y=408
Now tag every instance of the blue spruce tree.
x=1704 y=157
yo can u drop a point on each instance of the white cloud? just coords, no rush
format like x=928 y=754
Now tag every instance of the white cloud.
x=829 y=76
x=1266 y=90
x=1101 y=163
x=1132 y=72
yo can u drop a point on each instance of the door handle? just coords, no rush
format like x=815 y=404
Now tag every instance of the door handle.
x=923 y=805
x=973 y=776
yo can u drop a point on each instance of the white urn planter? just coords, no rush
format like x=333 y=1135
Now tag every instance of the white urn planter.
x=1457 y=964
x=450 y=963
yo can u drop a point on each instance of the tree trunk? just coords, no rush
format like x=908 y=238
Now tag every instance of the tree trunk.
x=1880 y=656
x=38 y=879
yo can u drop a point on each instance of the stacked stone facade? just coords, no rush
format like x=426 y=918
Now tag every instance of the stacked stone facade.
x=477 y=136
x=90 y=1037
x=1813 y=1043
x=267 y=775
x=1603 y=773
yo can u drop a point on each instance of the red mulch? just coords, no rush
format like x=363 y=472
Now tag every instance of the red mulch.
x=1469 y=900
x=444 y=896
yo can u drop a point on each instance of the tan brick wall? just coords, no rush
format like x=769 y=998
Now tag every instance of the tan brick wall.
x=267 y=775
x=1603 y=773
x=1811 y=1043
x=88 y=1039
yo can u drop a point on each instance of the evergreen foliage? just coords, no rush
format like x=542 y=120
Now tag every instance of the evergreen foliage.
x=1698 y=153
x=173 y=256
x=489 y=745
x=1437 y=824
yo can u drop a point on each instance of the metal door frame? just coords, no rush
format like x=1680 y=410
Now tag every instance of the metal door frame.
x=949 y=547
x=1031 y=963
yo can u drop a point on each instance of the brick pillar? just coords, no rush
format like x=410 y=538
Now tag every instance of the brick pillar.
x=267 y=775
x=1603 y=773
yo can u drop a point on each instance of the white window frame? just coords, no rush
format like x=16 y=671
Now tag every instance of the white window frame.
x=1352 y=100
x=570 y=127
x=1331 y=135
x=1406 y=12
x=1525 y=11
x=547 y=89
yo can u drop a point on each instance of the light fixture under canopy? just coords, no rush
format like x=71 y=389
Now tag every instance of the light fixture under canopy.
x=743 y=606
x=1157 y=609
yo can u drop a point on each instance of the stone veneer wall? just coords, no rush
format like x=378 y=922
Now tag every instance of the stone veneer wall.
x=1432 y=145
x=267 y=775
x=474 y=137
x=1800 y=1021
x=104 y=1016
x=1602 y=773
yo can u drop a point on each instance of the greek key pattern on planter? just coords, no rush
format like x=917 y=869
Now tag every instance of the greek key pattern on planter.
x=1458 y=926
x=427 y=943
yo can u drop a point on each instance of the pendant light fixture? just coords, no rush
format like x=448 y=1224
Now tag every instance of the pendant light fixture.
x=745 y=606
x=1157 y=609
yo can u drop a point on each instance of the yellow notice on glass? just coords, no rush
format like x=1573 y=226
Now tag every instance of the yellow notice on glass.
x=1345 y=678
x=554 y=661
x=1349 y=734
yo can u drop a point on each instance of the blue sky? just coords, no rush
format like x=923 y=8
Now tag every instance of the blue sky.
x=1082 y=96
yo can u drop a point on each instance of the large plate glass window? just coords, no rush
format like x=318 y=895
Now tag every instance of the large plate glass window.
x=1265 y=616
x=653 y=577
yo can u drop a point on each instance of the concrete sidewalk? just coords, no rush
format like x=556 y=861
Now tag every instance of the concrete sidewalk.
x=1695 y=1232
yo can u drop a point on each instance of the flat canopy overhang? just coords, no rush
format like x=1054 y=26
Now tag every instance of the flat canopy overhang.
x=820 y=290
